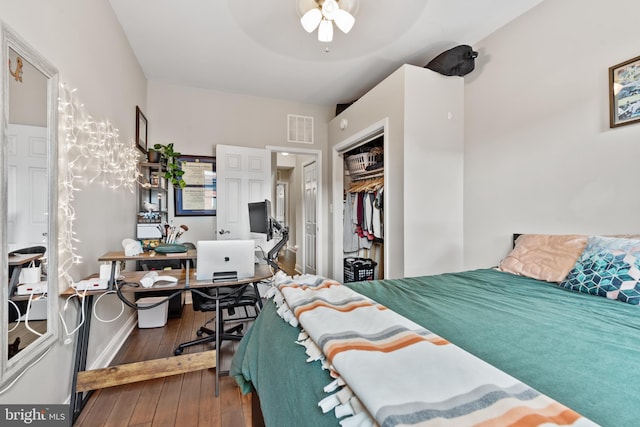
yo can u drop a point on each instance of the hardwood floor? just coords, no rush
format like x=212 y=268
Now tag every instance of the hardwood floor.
x=187 y=399
x=287 y=261
x=180 y=400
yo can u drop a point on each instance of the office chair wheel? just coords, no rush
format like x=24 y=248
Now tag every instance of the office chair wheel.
x=177 y=351
x=199 y=333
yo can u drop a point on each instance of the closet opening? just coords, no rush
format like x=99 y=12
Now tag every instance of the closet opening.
x=359 y=244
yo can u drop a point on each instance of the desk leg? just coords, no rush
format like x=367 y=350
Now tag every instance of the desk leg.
x=219 y=327
x=112 y=276
x=79 y=400
x=15 y=278
x=255 y=287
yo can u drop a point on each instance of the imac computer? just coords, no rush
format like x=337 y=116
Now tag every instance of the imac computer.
x=226 y=259
x=261 y=221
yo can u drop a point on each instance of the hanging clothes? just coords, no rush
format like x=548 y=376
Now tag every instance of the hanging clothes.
x=367 y=213
x=377 y=215
x=350 y=242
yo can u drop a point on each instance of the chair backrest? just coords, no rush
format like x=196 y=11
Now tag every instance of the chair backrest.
x=30 y=250
x=229 y=296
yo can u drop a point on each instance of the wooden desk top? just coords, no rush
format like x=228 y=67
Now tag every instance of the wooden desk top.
x=150 y=255
x=262 y=272
x=22 y=259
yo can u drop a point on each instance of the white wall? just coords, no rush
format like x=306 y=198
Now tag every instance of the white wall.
x=85 y=42
x=539 y=153
x=384 y=101
x=423 y=168
x=195 y=120
x=433 y=173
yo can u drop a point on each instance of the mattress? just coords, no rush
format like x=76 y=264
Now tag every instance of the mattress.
x=576 y=348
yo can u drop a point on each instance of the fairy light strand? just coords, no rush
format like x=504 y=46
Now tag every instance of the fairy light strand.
x=91 y=151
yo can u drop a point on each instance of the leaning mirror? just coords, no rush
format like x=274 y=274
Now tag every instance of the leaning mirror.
x=28 y=213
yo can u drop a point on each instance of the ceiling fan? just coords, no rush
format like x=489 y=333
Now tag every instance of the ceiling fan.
x=322 y=14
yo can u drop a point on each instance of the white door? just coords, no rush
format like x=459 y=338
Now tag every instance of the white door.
x=310 y=220
x=281 y=203
x=27 y=186
x=244 y=176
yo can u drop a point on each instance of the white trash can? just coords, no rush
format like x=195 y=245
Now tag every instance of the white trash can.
x=155 y=317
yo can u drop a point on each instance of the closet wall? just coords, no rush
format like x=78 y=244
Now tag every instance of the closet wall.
x=421 y=113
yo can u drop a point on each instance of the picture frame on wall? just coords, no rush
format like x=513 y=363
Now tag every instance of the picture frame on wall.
x=141 y=130
x=624 y=93
x=198 y=197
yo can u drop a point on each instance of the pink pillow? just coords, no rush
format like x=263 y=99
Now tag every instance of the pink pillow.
x=545 y=257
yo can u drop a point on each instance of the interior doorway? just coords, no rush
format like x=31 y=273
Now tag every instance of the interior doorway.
x=289 y=164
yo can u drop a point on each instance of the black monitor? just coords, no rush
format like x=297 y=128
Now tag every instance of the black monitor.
x=260 y=221
x=260 y=218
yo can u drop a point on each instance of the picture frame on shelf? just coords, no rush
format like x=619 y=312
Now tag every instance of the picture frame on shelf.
x=624 y=93
x=141 y=130
x=198 y=197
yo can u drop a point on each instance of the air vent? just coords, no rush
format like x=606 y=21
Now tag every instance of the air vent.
x=300 y=129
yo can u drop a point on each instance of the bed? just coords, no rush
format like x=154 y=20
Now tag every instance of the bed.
x=578 y=348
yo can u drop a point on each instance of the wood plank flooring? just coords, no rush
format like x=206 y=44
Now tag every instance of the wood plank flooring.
x=181 y=400
x=186 y=399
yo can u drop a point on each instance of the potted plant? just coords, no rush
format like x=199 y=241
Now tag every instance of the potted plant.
x=170 y=157
x=153 y=156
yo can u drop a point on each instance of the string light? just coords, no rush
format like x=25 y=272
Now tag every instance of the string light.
x=90 y=151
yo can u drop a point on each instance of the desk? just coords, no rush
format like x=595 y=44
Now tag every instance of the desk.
x=17 y=261
x=87 y=381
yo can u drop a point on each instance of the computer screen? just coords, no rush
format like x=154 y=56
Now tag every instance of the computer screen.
x=260 y=218
x=218 y=256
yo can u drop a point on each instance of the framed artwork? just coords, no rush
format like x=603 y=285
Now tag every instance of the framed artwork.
x=624 y=93
x=198 y=197
x=141 y=130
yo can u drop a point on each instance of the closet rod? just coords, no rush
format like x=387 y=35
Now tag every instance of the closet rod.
x=371 y=175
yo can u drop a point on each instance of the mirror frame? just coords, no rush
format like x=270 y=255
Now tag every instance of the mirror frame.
x=10 y=369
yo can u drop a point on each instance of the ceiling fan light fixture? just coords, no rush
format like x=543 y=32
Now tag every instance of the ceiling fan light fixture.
x=325 y=31
x=322 y=14
x=311 y=19
x=330 y=9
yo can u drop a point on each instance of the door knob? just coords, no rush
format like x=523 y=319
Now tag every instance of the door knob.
x=223 y=231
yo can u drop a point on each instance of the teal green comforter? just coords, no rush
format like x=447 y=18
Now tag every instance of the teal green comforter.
x=579 y=349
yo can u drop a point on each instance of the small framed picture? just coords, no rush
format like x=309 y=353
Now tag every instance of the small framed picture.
x=624 y=93
x=141 y=130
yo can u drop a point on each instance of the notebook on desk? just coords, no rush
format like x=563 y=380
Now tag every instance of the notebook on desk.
x=224 y=256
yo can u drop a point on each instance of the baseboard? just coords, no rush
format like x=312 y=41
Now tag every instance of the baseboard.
x=107 y=355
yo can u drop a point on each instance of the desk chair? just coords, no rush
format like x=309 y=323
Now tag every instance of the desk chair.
x=221 y=299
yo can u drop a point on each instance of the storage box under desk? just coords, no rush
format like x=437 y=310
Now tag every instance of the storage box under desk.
x=176 y=303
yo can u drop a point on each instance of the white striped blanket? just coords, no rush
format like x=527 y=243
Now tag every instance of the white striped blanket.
x=398 y=373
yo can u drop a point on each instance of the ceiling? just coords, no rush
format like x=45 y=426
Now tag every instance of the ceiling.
x=258 y=47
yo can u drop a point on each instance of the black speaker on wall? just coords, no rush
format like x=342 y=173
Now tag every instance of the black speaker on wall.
x=457 y=61
x=341 y=107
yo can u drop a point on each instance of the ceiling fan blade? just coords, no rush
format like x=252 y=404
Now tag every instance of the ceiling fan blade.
x=344 y=20
x=325 y=32
x=311 y=20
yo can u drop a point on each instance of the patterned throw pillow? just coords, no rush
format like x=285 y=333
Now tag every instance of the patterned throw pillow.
x=608 y=267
